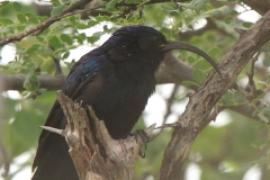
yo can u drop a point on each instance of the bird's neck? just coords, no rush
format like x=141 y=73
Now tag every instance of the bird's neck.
x=135 y=71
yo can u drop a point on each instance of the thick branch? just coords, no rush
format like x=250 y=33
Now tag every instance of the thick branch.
x=15 y=82
x=261 y=6
x=201 y=103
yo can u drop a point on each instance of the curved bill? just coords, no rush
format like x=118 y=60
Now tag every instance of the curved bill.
x=180 y=45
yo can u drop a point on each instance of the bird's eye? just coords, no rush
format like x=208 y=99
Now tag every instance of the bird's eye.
x=148 y=42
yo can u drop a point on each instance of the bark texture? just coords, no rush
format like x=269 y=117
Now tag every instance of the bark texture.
x=95 y=154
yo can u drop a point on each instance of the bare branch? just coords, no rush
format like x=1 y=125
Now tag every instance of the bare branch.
x=169 y=104
x=53 y=130
x=201 y=103
x=210 y=25
x=15 y=82
x=4 y=160
x=250 y=89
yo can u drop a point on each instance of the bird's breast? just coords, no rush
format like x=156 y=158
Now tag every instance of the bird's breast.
x=120 y=104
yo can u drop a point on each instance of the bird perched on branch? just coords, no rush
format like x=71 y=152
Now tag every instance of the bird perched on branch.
x=116 y=79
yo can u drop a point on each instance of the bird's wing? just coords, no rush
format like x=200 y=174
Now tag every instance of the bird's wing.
x=84 y=73
x=81 y=74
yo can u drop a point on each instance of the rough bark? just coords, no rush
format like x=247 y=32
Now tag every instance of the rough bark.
x=195 y=118
x=261 y=6
x=95 y=154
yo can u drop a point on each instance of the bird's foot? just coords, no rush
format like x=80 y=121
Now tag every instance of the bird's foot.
x=141 y=135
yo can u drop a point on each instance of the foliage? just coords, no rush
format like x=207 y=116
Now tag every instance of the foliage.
x=225 y=152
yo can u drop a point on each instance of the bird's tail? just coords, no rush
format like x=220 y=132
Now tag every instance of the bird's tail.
x=52 y=161
x=55 y=163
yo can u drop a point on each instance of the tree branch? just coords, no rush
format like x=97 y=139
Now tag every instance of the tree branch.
x=15 y=82
x=195 y=118
x=96 y=156
x=73 y=9
x=70 y=11
x=210 y=25
x=261 y=6
x=4 y=161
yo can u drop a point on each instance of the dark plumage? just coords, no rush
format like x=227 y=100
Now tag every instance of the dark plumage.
x=116 y=79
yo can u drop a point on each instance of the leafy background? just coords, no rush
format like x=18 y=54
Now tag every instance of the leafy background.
x=235 y=146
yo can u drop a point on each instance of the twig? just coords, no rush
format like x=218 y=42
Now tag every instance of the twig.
x=251 y=87
x=70 y=11
x=5 y=160
x=210 y=25
x=170 y=101
x=58 y=68
x=42 y=26
x=53 y=130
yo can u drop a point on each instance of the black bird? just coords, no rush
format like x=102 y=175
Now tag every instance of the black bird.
x=116 y=79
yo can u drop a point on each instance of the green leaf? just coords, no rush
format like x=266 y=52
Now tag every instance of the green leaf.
x=111 y=5
x=58 y=10
x=65 y=55
x=81 y=38
x=198 y=75
x=67 y=39
x=196 y=4
x=190 y=83
x=233 y=98
x=17 y=6
x=21 y=18
x=55 y=42
x=93 y=38
x=5 y=21
x=31 y=82
x=6 y=9
x=224 y=10
x=34 y=19
x=33 y=48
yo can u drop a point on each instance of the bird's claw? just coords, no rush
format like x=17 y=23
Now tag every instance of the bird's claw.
x=142 y=136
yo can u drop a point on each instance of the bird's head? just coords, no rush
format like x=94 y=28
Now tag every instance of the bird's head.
x=147 y=45
x=136 y=45
x=146 y=39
